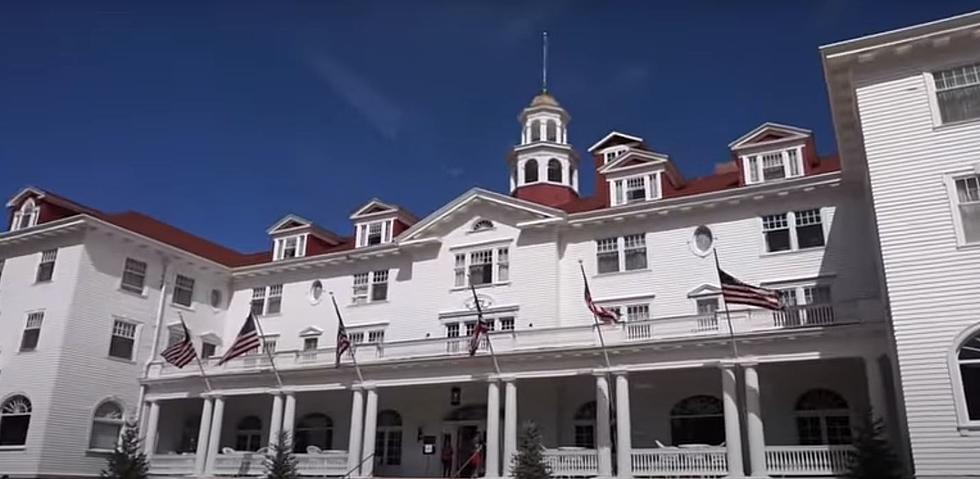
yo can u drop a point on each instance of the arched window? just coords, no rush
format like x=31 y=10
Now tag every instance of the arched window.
x=15 y=418
x=248 y=434
x=388 y=441
x=482 y=225
x=551 y=131
x=536 y=130
x=822 y=417
x=530 y=171
x=697 y=420
x=26 y=216
x=584 y=423
x=313 y=429
x=968 y=359
x=107 y=424
x=554 y=170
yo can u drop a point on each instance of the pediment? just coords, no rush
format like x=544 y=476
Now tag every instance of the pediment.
x=768 y=133
x=373 y=208
x=633 y=160
x=613 y=139
x=288 y=223
x=28 y=192
x=704 y=290
x=311 y=331
x=211 y=337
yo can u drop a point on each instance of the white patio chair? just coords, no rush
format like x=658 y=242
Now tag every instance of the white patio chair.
x=263 y=450
x=227 y=450
x=313 y=450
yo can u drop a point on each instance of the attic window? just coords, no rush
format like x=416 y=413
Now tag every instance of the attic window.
x=773 y=165
x=290 y=247
x=483 y=225
x=634 y=189
x=610 y=155
x=374 y=233
x=26 y=216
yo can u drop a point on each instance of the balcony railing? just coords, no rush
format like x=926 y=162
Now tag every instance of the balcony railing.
x=680 y=462
x=572 y=463
x=171 y=464
x=808 y=460
x=742 y=321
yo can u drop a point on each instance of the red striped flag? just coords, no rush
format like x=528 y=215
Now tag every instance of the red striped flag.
x=181 y=353
x=737 y=292
x=246 y=341
x=343 y=339
x=482 y=325
x=606 y=315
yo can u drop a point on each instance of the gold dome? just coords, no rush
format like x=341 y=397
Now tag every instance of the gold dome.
x=544 y=99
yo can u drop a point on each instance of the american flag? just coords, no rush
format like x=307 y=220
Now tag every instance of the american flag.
x=343 y=340
x=482 y=325
x=606 y=315
x=182 y=352
x=247 y=341
x=737 y=292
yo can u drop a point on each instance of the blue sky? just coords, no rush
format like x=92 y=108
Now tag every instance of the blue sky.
x=221 y=117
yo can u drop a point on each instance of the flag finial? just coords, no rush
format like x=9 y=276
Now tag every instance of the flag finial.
x=544 y=62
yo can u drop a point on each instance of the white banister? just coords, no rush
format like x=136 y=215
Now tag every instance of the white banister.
x=808 y=460
x=326 y=463
x=172 y=464
x=572 y=463
x=678 y=462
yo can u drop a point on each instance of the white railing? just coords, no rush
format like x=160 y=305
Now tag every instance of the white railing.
x=808 y=460
x=239 y=464
x=171 y=464
x=680 y=462
x=743 y=321
x=326 y=463
x=572 y=463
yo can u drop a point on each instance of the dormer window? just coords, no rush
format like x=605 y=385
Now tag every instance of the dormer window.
x=610 y=155
x=773 y=165
x=290 y=247
x=25 y=217
x=635 y=189
x=374 y=233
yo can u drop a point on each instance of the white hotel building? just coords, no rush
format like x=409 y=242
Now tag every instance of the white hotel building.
x=88 y=299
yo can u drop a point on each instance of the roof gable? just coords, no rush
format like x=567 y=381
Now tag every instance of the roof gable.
x=311 y=331
x=372 y=208
x=704 y=290
x=633 y=159
x=289 y=222
x=767 y=133
x=614 y=138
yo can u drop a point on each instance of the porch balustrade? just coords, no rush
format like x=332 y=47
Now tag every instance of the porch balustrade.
x=807 y=460
x=572 y=463
x=743 y=321
x=327 y=463
x=679 y=462
x=239 y=464
x=172 y=464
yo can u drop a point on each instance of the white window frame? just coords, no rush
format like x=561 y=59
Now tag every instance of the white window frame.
x=177 y=285
x=120 y=328
x=268 y=344
x=932 y=90
x=499 y=265
x=311 y=340
x=295 y=242
x=363 y=232
x=791 y=224
x=214 y=346
x=618 y=188
x=963 y=420
x=363 y=286
x=49 y=256
x=950 y=180
x=135 y=268
x=610 y=154
x=267 y=294
x=35 y=321
x=367 y=335
x=752 y=164
x=119 y=423
x=32 y=216
x=621 y=253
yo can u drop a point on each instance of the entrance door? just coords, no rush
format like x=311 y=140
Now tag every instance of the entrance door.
x=468 y=439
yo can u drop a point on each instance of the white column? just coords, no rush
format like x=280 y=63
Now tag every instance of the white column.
x=733 y=434
x=150 y=441
x=876 y=386
x=215 y=441
x=603 y=442
x=275 y=425
x=624 y=445
x=753 y=422
x=356 y=428
x=203 y=433
x=370 y=430
x=289 y=415
x=493 y=429
x=510 y=425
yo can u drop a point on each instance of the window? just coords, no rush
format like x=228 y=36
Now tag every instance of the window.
x=183 y=291
x=635 y=189
x=822 y=417
x=507 y=323
x=697 y=420
x=452 y=330
x=266 y=300
x=216 y=298
x=376 y=336
x=707 y=306
x=480 y=267
x=482 y=225
x=248 y=434
x=638 y=312
x=26 y=217
x=310 y=344
x=776 y=230
x=290 y=247
x=531 y=171
x=968 y=359
x=612 y=155
x=370 y=287
x=107 y=424
x=958 y=93
x=773 y=165
x=356 y=337
x=794 y=230
x=122 y=340
x=584 y=424
x=703 y=240
x=551 y=130
x=316 y=291
x=809 y=229
x=45 y=269
x=15 y=419
x=554 y=171
x=313 y=429
x=32 y=332
x=375 y=233
x=967 y=199
x=134 y=276
x=536 y=130
x=208 y=350
x=625 y=253
x=175 y=334
x=388 y=440
x=379 y=285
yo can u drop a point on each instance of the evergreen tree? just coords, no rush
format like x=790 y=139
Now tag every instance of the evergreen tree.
x=281 y=463
x=127 y=460
x=529 y=461
x=874 y=457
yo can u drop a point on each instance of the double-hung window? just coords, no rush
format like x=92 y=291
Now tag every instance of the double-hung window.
x=45 y=269
x=183 y=290
x=374 y=233
x=310 y=344
x=269 y=344
x=625 y=253
x=958 y=93
x=793 y=230
x=370 y=287
x=773 y=165
x=967 y=203
x=635 y=189
x=290 y=247
x=134 y=276
x=123 y=339
x=208 y=350
x=32 y=331
x=484 y=266
x=266 y=300
x=637 y=312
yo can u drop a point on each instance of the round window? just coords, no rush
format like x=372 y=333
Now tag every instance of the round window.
x=215 y=298
x=316 y=291
x=703 y=239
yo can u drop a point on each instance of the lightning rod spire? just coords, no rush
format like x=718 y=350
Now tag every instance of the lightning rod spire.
x=544 y=62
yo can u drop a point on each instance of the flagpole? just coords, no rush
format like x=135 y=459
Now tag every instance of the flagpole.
x=353 y=348
x=602 y=340
x=728 y=314
x=479 y=319
x=268 y=353
x=207 y=382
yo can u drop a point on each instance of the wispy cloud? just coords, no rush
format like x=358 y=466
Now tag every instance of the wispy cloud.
x=379 y=111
